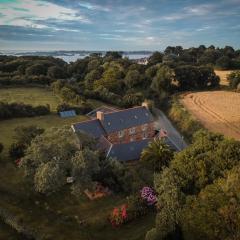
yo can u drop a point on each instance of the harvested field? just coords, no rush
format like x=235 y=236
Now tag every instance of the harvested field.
x=218 y=111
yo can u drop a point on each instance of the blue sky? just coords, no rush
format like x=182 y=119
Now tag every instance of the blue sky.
x=117 y=24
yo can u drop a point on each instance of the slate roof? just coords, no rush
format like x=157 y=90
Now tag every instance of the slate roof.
x=128 y=151
x=104 y=144
x=92 y=127
x=127 y=118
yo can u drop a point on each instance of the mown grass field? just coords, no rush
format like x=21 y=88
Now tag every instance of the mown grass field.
x=33 y=96
x=7 y=126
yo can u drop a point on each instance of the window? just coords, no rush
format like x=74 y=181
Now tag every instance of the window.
x=145 y=135
x=144 y=127
x=121 y=133
x=132 y=130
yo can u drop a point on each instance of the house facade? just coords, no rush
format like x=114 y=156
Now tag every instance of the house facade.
x=121 y=134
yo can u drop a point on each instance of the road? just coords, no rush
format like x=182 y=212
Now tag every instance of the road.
x=173 y=136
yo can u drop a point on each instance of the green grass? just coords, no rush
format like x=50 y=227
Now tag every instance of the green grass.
x=34 y=96
x=18 y=198
x=7 y=126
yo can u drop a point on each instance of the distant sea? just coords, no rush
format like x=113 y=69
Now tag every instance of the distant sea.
x=72 y=56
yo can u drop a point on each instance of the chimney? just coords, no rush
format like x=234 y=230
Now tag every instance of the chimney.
x=146 y=105
x=100 y=115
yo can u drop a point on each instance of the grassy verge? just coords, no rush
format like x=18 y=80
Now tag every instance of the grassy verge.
x=182 y=119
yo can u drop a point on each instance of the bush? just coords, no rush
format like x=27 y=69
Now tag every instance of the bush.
x=15 y=110
x=17 y=150
x=183 y=120
x=234 y=79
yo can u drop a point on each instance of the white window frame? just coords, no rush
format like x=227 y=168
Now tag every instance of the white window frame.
x=121 y=134
x=132 y=130
x=145 y=135
x=144 y=127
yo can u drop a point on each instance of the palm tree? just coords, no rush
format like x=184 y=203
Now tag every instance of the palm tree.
x=156 y=155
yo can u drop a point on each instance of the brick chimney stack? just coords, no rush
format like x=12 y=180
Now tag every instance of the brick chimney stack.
x=100 y=115
x=146 y=105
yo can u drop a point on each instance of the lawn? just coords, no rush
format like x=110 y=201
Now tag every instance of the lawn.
x=34 y=96
x=7 y=126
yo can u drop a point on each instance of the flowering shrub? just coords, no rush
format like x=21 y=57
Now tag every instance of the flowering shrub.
x=119 y=216
x=148 y=195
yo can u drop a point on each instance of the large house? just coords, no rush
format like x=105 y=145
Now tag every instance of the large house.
x=121 y=134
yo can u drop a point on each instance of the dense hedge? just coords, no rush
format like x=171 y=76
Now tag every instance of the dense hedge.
x=16 y=110
x=183 y=120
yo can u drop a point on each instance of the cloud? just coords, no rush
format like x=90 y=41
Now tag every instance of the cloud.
x=18 y=14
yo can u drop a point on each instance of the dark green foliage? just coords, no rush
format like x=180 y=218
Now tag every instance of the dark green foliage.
x=156 y=156
x=191 y=77
x=197 y=193
x=234 y=79
x=1 y=147
x=16 y=110
x=31 y=70
x=223 y=63
x=16 y=150
x=156 y=58
x=23 y=137
x=215 y=212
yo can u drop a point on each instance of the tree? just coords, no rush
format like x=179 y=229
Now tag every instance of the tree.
x=85 y=164
x=169 y=204
x=36 y=69
x=50 y=146
x=162 y=83
x=111 y=55
x=214 y=212
x=49 y=178
x=234 y=79
x=133 y=79
x=23 y=137
x=111 y=79
x=155 y=58
x=56 y=72
x=224 y=63
x=156 y=155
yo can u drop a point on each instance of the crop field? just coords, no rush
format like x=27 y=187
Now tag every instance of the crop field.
x=33 y=96
x=218 y=111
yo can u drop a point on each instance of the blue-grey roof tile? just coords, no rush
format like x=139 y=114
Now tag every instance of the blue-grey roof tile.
x=128 y=118
x=92 y=128
x=128 y=151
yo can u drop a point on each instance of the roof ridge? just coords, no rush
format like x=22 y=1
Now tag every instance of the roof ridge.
x=90 y=120
x=124 y=110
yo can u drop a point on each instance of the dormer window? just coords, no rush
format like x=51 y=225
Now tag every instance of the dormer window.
x=132 y=130
x=121 y=133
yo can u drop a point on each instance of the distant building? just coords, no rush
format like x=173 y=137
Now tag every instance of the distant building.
x=142 y=61
x=121 y=133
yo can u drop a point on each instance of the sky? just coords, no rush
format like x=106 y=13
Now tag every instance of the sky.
x=117 y=24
